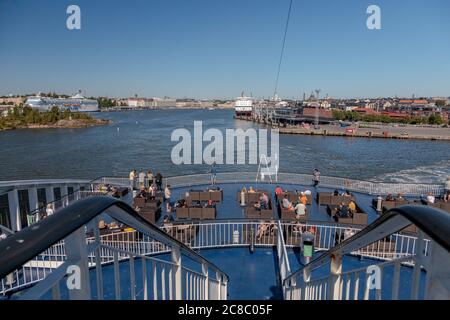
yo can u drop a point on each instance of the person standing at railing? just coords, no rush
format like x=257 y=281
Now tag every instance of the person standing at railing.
x=158 y=180
x=49 y=211
x=132 y=178
x=447 y=190
x=149 y=178
x=167 y=194
x=316 y=177
x=141 y=179
x=213 y=172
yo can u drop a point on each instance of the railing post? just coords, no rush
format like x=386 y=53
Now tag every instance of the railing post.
x=206 y=274
x=438 y=273
x=14 y=210
x=64 y=196
x=223 y=289
x=76 y=251
x=418 y=262
x=33 y=200
x=49 y=195
x=335 y=277
x=176 y=274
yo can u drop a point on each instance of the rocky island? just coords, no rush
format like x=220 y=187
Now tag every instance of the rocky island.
x=29 y=118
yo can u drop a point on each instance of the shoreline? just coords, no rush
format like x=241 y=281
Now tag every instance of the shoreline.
x=374 y=131
x=63 y=124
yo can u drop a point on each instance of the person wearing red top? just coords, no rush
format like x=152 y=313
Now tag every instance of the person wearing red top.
x=278 y=191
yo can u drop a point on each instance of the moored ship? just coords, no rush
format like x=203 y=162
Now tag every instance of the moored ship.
x=243 y=106
x=76 y=103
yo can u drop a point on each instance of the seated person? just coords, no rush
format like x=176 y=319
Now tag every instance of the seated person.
x=336 y=193
x=210 y=204
x=180 y=204
x=244 y=189
x=300 y=210
x=400 y=197
x=152 y=191
x=303 y=198
x=142 y=193
x=343 y=211
x=287 y=204
x=430 y=198
x=264 y=201
x=167 y=219
x=347 y=194
x=196 y=204
x=352 y=206
x=272 y=227
x=102 y=225
x=251 y=190
x=389 y=197
x=257 y=205
x=113 y=225
x=262 y=229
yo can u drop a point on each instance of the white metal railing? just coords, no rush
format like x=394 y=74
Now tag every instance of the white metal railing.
x=352 y=285
x=369 y=187
x=215 y=234
x=283 y=258
x=430 y=255
x=162 y=276
x=59 y=204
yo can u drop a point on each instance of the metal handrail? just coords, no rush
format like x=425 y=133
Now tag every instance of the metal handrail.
x=365 y=186
x=433 y=222
x=66 y=196
x=29 y=242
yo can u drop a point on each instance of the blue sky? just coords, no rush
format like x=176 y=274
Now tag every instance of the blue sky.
x=217 y=48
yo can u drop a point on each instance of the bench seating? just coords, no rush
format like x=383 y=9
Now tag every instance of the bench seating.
x=251 y=197
x=294 y=197
x=254 y=213
x=359 y=217
x=205 y=213
x=195 y=195
x=326 y=198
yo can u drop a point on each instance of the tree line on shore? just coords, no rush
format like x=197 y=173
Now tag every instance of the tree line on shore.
x=433 y=119
x=20 y=116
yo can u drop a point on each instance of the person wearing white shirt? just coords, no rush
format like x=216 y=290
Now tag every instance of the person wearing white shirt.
x=167 y=194
x=49 y=211
x=430 y=198
x=300 y=209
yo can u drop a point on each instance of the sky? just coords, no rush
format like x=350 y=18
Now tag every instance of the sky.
x=219 y=48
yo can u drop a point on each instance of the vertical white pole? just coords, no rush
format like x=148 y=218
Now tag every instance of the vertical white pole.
x=206 y=283
x=335 y=277
x=14 y=210
x=64 y=193
x=77 y=252
x=33 y=200
x=49 y=195
x=176 y=259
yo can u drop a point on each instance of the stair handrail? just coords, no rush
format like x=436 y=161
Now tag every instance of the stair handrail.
x=24 y=245
x=435 y=223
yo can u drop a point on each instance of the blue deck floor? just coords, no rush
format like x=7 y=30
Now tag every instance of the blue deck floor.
x=252 y=276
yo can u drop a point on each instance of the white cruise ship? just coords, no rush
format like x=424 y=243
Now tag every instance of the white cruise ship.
x=243 y=106
x=76 y=103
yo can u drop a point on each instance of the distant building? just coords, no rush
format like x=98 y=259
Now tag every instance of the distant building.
x=151 y=103
x=12 y=100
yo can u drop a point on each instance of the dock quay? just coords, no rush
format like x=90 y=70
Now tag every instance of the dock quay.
x=375 y=131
